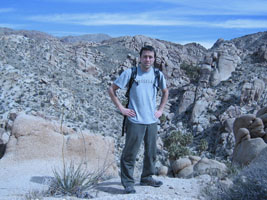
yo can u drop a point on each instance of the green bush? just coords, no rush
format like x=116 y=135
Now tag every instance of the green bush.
x=203 y=145
x=192 y=71
x=177 y=143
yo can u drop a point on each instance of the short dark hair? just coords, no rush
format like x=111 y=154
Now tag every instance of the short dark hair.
x=148 y=48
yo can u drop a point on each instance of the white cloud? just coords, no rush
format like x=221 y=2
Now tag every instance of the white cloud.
x=147 y=19
x=11 y=25
x=195 y=7
x=243 y=23
x=107 y=19
x=182 y=13
x=219 y=7
x=6 y=10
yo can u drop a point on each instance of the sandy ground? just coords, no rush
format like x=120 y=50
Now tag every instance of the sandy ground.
x=19 y=179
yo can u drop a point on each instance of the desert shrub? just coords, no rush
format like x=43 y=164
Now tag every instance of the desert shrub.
x=249 y=183
x=202 y=146
x=74 y=180
x=177 y=144
x=191 y=71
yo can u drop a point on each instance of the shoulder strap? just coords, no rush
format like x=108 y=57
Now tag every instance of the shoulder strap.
x=133 y=76
x=157 y=78
x=127 y=95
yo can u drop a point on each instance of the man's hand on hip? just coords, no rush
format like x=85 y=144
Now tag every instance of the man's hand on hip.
x=158 y=114
x=128 y=112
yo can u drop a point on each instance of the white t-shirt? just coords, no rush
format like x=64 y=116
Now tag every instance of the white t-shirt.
x=142 y=94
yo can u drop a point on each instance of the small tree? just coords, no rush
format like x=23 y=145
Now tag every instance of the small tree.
x=177 y=144
x=202 y=146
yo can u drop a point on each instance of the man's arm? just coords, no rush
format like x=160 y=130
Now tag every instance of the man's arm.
x=164 y=99
x=112 y=93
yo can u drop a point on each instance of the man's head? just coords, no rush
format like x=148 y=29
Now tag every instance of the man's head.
x=147 y=57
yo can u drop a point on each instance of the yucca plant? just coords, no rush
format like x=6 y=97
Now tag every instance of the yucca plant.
x=74 y=180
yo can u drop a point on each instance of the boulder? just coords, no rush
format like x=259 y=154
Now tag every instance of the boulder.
x=163 y=171
x=247 y=150
x=206 y=165
x=200 y=107
x=242 y=135
x=252 y=91
x=256 y=129
x=195 y=166
x=226 y=65
x=34 y=138
x=180 y=164
x=194 y=159
x=262 y=113
x=259 y=160
x=186 y=101
x=253 y=124
x=243 y=122
x=186 y=172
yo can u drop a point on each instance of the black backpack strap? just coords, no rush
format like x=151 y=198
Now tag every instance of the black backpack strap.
x=131 y=81
x=157 y=78
x=127 y=95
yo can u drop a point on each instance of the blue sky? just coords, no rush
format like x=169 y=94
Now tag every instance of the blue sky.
x=179 y=21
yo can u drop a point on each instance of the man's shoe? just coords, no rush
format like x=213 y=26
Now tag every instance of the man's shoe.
x=130 y=190
x=151 y=182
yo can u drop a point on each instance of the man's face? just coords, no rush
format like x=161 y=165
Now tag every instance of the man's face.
x=147 y=59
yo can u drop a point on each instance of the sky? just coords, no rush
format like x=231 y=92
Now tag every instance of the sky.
x=178 y=21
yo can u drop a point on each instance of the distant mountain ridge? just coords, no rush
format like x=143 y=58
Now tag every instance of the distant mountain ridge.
x=99 y=37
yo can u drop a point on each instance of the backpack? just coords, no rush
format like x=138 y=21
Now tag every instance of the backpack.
x=131 y=81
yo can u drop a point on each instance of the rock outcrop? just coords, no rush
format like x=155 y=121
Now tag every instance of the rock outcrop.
x=35 y=138
x=250 y=136
x=192 y=166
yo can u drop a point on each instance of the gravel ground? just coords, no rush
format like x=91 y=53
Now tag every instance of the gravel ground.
x=18 y=180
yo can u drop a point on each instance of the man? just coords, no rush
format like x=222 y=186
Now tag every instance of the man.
x=142 y=116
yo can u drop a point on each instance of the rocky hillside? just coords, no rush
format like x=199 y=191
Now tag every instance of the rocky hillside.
x=43 y=75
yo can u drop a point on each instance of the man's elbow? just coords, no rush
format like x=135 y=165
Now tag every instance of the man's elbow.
x=165 y=91
x=110 y=91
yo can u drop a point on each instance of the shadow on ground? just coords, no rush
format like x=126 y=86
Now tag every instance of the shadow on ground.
x=110 y=187
x=44 y=180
